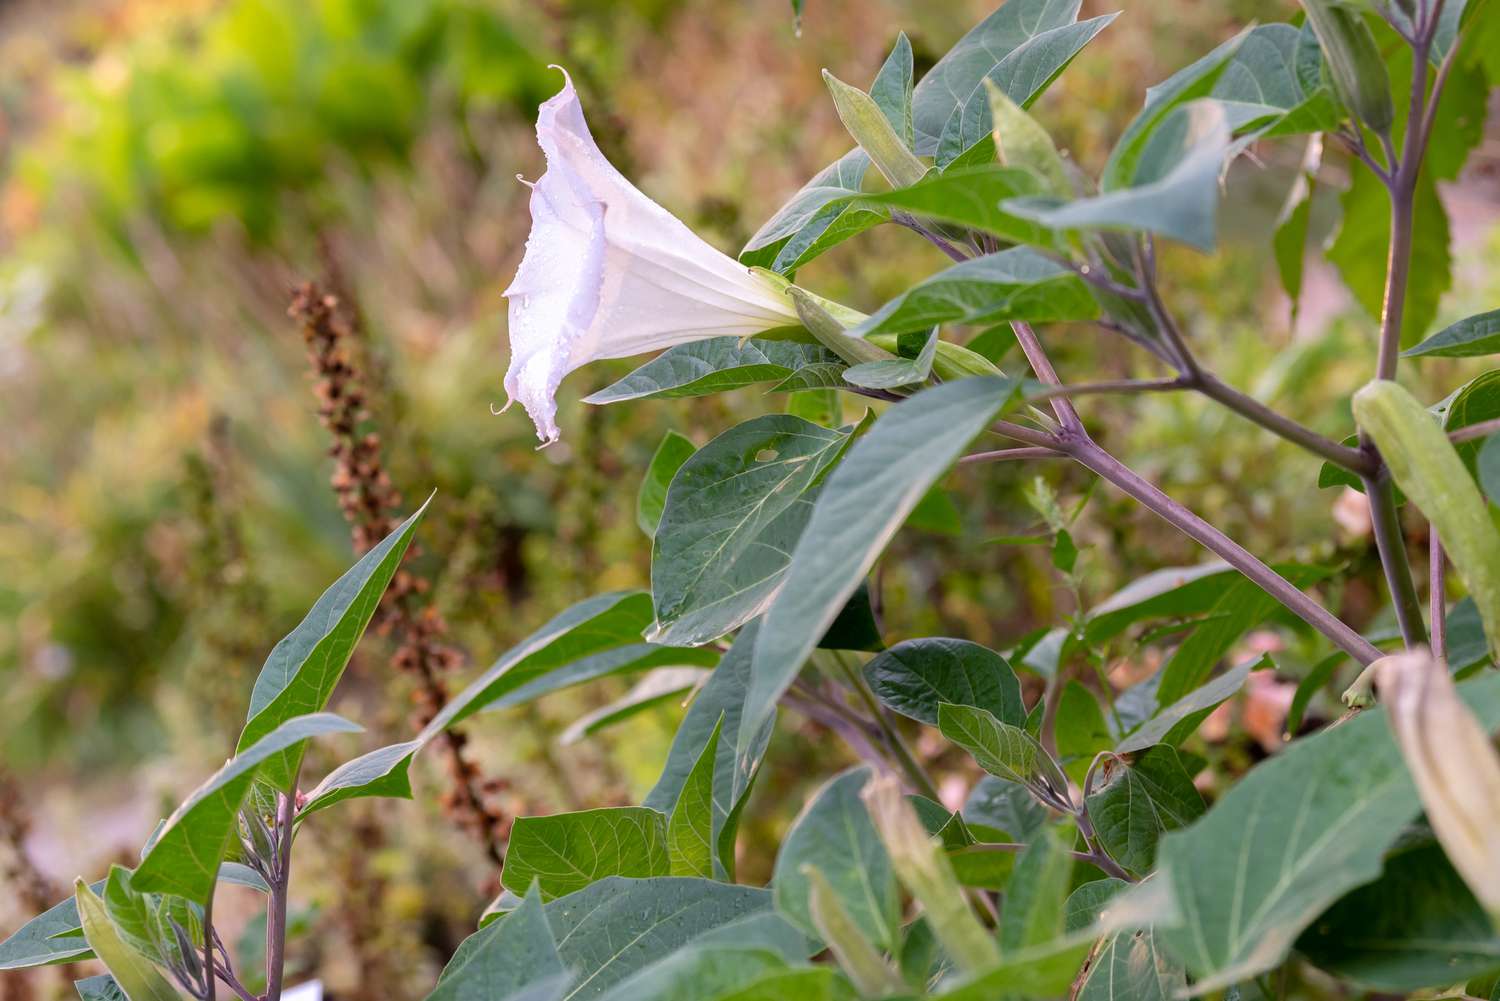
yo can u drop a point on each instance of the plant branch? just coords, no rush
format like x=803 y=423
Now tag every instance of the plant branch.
x=1097 y=854
x=286 y=810
x=1031 y=346
x=1093 y=457
x=1029 y=436
x=1112 y=386
x=1386 y=525
x=1278 y=424
x=1437 y=594
x=210 y=991
x=1480 y=430
x=1004 y=454
x=910 y=222
x=233 y=983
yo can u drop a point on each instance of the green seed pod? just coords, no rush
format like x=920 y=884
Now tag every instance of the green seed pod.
x=1359 y=74
x=953 y=361
x=1427 y=468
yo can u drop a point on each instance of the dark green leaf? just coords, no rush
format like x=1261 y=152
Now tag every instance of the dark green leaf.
x=673 y=451
x=733 y=516
x=915 y=676
x=814 y=983
x=100 y=988
x=1034 y=897
x=1171 y=593
x=891 y=373
x=714 y=365
x=1015 y=284
x=1417 y=926
x=1080 y=729
x=835 y=835
x=1468 y=338
x=722 y=697
x=507 y=960
x=698 y=974
x=1003 y=750
x=302 y=670
x=1298 y=832
x=1086 y=904
x=185 y=857
x=690 y=830
x=855 y=628
x=566 y=852
x=1174 y=191
x=862 y=504
x=1134 y=803
x=1241 y=607
x=1005 y=806
x=1262 y=89
x=970 y=197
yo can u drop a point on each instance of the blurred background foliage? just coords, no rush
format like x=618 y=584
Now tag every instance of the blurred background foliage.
x=172 y=169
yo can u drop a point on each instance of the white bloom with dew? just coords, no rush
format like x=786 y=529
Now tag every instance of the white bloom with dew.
x=1453 y=762
x=608 y=273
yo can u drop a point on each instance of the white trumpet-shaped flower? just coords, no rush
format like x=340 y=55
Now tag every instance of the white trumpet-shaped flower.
x=1453 y=763
x=609 y=273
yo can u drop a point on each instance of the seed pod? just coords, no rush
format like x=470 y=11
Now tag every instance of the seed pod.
x=1428 y=469
x=1359 y=74
x=1453 y=763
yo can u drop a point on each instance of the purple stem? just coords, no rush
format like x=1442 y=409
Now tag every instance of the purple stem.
x=276 y=913
x=1437 y=597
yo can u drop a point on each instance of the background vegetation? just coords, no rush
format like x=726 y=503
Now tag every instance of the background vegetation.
x=181 y=472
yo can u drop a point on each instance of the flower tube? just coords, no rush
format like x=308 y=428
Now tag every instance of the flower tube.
x=608 y=273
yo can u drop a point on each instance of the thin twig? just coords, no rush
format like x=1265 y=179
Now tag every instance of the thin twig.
x=1031 y=346
x=1437 y=596
x=1385 y=524
x=1007 y=454
x=286 y=810
x=910 y=222
x=210 y=991
x=1112 y=386
x=1480 y=430
x=1026 y=435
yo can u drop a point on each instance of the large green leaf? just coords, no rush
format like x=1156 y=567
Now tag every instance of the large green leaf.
x=596 y=637
x=1128 y=966
x=145 y=920
x=1272 y=82
x=1469 y=337
x=1286 y=841
x=915 y=676
x=813 y=983
x=1005 y=807
x=184 y=859
x=1359 y=252
x=302 y=670
x=607 y=932
x=565 y=852
x=507 y=960
x=733 y=515
x=1006 y=751
x=717 y=708
x=1242 y=606
x=953 y=81
x=1136 y=802
x=1170 y=593
x=1417 y=926
x=839 y=180
x=53 y=936
x=1044 y=972
x=970 y=197
x=1023 y=74
x=698 y=974
x=1015 y=284
x=863 y=501
x=835 y=835
x=1174 y=191
x=100 y=988
x=1034 y=897
x=690 y=830
x=713 y=365
x=674 y=450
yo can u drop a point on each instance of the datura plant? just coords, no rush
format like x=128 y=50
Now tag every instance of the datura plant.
x=1359 y=857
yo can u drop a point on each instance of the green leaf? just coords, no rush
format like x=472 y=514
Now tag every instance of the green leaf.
x=186 y=855
x=1015 y=284
x=1020 y=141
x=607 y=932
x=714 y=365
x=1417 y=926
x=596 y=637
x=1488 y=467
x=690 y=830
x=656 y=687
x=1170 y=593
x=1003 y=750
x=1174 y=191
x=892 y=89
x=1354 y=62
x=1242 y=606
x=1299 y=831
x=1005 y=806
x=507 y=960
x=1468 y=338
x=834 y=835
x=862 y=504
x=1478 y=400
x=144 y=920
x=1044 y=972
x=1289 y=244
x=721 y=699
x=1129 y=966
x=696 y=974
x=1034 y=897
x=1359 y=252
x=674 y=450
x=815 y=983
x=1085 y=905
x=565 y=852
x=1183 y=87
x=1176 y=722
x=100 y=988
x=1023 y=74
x=1264 y=88
x=892 y=373
x=869 y=126
x=839 y=180
x=969 y=197
x=53 y=936
x=1080 y=729
x=1136 y=802
x=302 y=670
x=134 y=974
x=733 y=515
x=1316 y=679
x=915 y=676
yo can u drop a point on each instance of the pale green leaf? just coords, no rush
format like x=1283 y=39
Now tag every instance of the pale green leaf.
x=565 y=852
x=674 y=450
x=136 y=977
x=1006 y=751
x=690 y=830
